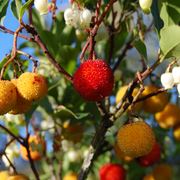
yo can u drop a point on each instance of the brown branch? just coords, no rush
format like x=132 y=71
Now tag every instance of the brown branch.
x=159 y=91
x=39 y=41
x=13 y=53
x=26 y=145
x=94 y=30
x=18 y=138
x=5 y=30
x=11 y=164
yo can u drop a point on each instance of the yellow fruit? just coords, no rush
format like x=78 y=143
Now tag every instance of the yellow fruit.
x=4 y=175
x=163 y=172
x=37 y=148
x=176 y=133
x=32 y=86
x=169 y=117
x=22 y=105
x=148 y=177
x=70 y=176
x=121 y=155
x=155 y=103
x=18 y=177
x=72 y=131
x=8 y=96
x=121 y=92
x=136 y=139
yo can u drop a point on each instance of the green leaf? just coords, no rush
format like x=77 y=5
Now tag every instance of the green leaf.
x=170 y=12
x=3 y=8
x=155 y=12
x=24 y=7
x=15 y=7
x=65 y=113
x=141 y=48
x=170 y=41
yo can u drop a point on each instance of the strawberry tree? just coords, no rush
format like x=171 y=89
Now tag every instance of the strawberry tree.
x=89 y=89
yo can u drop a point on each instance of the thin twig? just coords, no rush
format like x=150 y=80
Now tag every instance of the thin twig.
x=6 y=30
x=39 y=41
x=14 y=51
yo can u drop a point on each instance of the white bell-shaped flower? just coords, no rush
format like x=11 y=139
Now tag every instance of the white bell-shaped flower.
x=145 y=5
x=178 y=88
x=176 y=74
x=85 y=18
x=41 y=6
x=167 y=80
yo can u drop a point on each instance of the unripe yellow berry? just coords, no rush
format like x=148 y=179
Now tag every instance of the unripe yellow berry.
x=169 y=117
x=22 y=105
x=163 y=172
x=18 y=177
x=32 y=86
x=8 y=96
x=155 y=103
x=136 y=139
x=148 y=177
x=176 y=133
x=70 y=176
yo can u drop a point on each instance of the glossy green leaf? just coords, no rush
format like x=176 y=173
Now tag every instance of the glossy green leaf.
x=15 y=7
x=24 y=7
x=3 y=9
x=141 y=48
x=170 y=41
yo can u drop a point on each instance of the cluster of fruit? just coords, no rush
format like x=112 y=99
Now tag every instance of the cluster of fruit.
x=169 y=79
x=17 y=95
x=112 y=171
x=78 y=17
x=166 y=114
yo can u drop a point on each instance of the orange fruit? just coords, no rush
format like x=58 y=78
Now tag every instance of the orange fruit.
x=18 y=177
x=121 y=92
x=121 y=155
x=70 y=176
x=163 y=172
x=135 y=139
x=176 y=133
x=37 y=148
x=22 y=105
x=155 y=103
x=169 y=117
x=4 y=175
x=148 y=177
x=8 y=96
x=32 y=86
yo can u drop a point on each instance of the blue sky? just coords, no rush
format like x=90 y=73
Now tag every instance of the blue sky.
x=11 y=22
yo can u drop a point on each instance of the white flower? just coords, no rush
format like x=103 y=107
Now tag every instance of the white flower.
x=145 y=5
x=73 y=156
x=167 y=80
x=176 y=74
x=178 y=88
x=72 y=17
x=85 y=18
x=41 y=6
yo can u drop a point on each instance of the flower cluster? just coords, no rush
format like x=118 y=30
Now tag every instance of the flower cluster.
x=78 y=17
x=169 y=79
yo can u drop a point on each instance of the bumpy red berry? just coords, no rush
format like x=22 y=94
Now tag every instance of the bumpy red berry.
x=93 y=80
x=112 y=172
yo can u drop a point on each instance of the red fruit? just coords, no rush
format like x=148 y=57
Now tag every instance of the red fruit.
x=151 y=157
x=93 y=80
x=112 y=172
